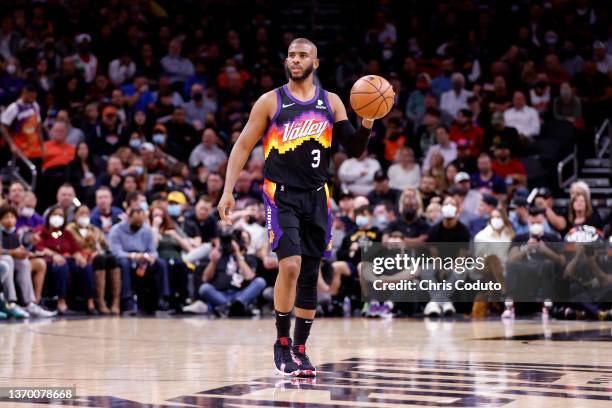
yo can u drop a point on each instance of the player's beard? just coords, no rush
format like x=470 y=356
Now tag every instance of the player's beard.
x=299 y=78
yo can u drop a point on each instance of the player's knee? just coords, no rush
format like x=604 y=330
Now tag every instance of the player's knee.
x=290 y=267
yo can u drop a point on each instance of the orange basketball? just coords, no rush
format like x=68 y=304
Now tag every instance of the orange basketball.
x=372 y=97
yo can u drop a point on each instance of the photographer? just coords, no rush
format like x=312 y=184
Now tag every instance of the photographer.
x=588 y=273
x=230 y=283
x=532 y=264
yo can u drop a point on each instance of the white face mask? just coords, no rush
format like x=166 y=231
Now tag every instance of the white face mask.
x=83 y=221
x=362 y=221
x=27 y=212
x=56 y=221
x=497 y=223
x=536 y=229
x=449 y=211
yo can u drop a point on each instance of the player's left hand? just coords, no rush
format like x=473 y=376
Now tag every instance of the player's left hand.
x=226 y=206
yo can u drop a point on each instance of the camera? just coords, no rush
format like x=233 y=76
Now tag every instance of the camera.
x=226 y=237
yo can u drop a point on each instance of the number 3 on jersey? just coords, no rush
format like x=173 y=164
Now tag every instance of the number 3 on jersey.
x=316 y=157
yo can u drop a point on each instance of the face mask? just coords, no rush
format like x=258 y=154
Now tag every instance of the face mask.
x=83 y=221
x=497 y=223
x=139 y=170
x=362 y=221
x=449 y=211
x=56 y=221
x=145 y=206
x=381 y=221
x=174 y=210
x=27 y=212
x=536 y=229
x=84 y=232
x=159 y=138
x=409 y=214
x=135 y=143
x=197 y=96
x=11 y=69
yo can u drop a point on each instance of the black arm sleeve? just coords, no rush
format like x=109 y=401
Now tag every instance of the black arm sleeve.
x=354 y=141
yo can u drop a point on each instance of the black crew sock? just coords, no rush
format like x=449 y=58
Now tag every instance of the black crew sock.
x=301 y=330
x=283 y=324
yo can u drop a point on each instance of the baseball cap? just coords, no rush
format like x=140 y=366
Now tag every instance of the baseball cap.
x=147 y=147
x=177 y=197
x=490 y=200
x=533 y=210
x=462 y=176
x=109 y=110
x=543 y=192
x=79 y=38
x=380 y=176
x=518 y=202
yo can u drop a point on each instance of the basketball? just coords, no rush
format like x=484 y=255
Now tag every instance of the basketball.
x=372 y=97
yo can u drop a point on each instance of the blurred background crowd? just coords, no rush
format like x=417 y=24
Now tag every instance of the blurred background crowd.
x=127 y=112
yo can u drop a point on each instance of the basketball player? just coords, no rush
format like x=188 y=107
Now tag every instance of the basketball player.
x=297 y=122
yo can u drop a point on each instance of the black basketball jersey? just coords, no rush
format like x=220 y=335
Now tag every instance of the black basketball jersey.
x=297 y=144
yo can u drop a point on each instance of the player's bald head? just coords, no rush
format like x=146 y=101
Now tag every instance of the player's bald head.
x=298 y=42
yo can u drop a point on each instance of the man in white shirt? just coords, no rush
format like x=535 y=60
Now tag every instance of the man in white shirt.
x=523 y=118
x=603 y=60
x=122 y=69
x=445 y=147
x=84 y=59
x=455 y=99
x=357 y=174
x=208 y=153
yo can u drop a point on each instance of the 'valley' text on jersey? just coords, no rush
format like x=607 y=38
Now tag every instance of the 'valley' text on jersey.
x=297 y=144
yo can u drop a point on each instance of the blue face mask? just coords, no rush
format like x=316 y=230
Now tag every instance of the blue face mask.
x=159 y=138
x=135 y=143
x=174 y=210
x=362 y=221
x=8 y=231
x=145 y=206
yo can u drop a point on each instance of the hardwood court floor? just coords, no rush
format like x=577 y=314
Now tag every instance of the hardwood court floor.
x=134 y=362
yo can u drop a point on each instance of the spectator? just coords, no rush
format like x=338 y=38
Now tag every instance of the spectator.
x=532 y=262
x=427 y=189
x=230 y=284
x=544 y=200
x=94 y=248
x=512 y=170
x=411 y=223
x=85 y=61
x=208 y=153
x=64 y=259
x=16 y=194
x=28 y=217
x=132 y=242
x=486 y=179
x=502 y=133
x=122 y=69
x=16 y=266
x=444 y=82
x=181 y=135
x=113 y=176
x=58 y=153
x=456 y=98
x=415 y=107
x=445 y=147
x=603 y=59
x=522 y=117
x=568 y=107
x=357 y=173
x=433 y=214
x=81 y=172
x=107 y=136
x=404 y=172
x=465 y=129
x=75 y=135
x=199 y=106
x=178 y=68
x=485 y=208
x=104 y=215
x=205 y=220
x=539 y=95
x=581 y=212
x=382 y=191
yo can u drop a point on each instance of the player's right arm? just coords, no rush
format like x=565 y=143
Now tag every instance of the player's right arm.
x=254 y=129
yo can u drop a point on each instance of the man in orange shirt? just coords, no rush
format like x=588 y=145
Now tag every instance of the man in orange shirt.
x=58 y=152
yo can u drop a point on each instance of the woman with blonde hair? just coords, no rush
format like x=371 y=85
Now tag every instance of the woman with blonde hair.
x=407 y=194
